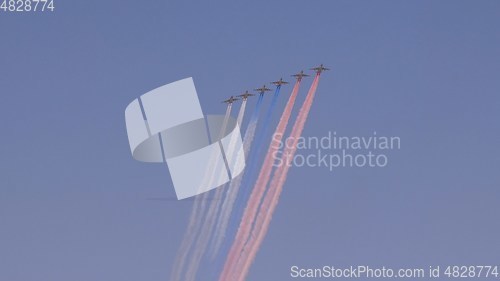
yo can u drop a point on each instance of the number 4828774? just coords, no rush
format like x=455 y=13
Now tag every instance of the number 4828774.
x=27 y=5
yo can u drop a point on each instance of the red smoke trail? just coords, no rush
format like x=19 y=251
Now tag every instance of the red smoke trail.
x=259 y=189
x=271 y=200
x=195 y=219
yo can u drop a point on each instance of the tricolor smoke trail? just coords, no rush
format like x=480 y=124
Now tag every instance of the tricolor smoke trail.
x=259 y=189
x=232 y=194
x=271 y=200
x=252 y=163
x=195 y=218
x=209 y=222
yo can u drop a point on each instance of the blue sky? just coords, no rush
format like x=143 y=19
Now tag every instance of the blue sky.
x=73 y=202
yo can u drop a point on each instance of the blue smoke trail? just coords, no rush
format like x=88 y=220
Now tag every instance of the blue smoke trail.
x=249 y=173
x=255 y=114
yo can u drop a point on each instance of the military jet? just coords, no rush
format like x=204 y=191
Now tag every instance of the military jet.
x=245 y=95
x=279 y=82
x=320 y=69
x=262 y=90
x=230 y=100
x=300 y=75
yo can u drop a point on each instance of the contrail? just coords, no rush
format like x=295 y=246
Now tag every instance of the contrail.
x=194 y=220
x=260 y=186
x=232 y=193
x=209 y=222
x=271 y=200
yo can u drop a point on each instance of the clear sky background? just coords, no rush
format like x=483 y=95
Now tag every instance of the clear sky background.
x=74 y=204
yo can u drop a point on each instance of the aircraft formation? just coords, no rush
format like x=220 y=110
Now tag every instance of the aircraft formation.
x=243 y=209
x=262 y=90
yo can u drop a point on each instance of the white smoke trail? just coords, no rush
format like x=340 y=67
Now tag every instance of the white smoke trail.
x=242 y=112
x=211 y=215
x=217 y=242
x=195 y=219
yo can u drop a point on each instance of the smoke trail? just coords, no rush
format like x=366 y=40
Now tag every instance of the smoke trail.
x=260 y=186
x=271 y=200
x=209 y=222
x=242 y=112
x=252 y=163
x=239 y=120
x=232 y=193
x=194 y=220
